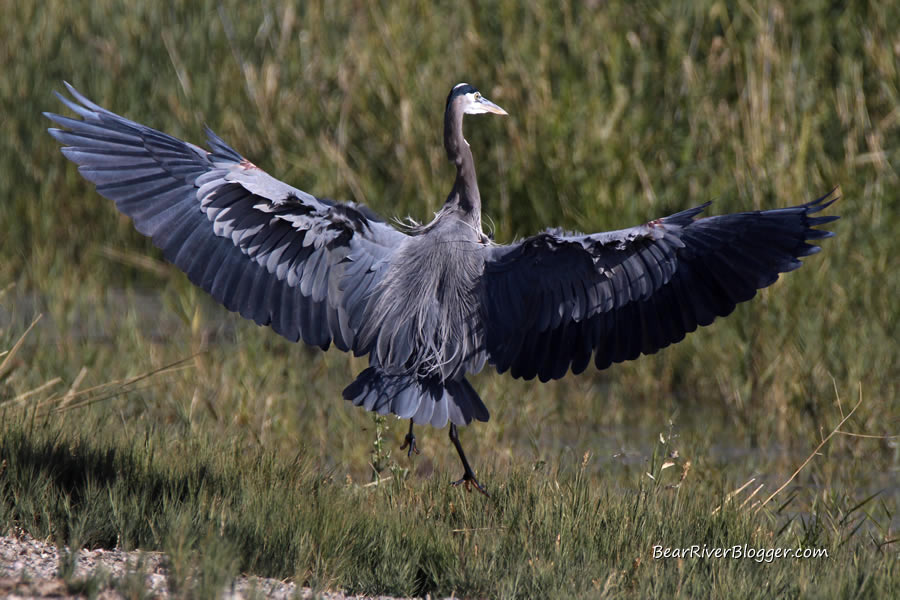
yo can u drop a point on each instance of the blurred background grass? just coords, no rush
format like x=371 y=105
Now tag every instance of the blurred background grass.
x=619 y=113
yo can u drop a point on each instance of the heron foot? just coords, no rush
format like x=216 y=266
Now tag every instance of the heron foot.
x=410 y=442
x=469 y=480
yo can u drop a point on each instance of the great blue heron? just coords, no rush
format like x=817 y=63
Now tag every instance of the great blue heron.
x=436 y=302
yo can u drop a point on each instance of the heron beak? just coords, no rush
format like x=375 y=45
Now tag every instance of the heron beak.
x=490 y=107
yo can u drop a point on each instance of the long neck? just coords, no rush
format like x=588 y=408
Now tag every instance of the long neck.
x=464 y=194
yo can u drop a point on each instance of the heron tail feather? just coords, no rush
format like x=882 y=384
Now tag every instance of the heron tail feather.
x=425 y=401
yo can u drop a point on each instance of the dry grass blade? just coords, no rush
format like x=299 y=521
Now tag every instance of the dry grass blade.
x=73 y=389
x=834 y=431
x=7 y=360
x=107 y=390
x=733 y=494
x=21 y=398
x=869 y=436
x=751 y=496
x=377 y=482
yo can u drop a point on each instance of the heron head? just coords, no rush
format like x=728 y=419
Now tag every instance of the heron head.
x=471 y=102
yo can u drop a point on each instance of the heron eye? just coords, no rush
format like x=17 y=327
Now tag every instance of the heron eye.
x=478 y=95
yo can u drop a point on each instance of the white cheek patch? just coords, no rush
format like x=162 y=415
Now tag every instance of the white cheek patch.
x=476 y=110
x=472 y=105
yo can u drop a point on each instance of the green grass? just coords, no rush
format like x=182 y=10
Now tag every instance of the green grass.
x=218 y=509
x=245 y=459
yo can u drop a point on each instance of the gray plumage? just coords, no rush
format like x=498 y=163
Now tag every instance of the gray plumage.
x=437 y=302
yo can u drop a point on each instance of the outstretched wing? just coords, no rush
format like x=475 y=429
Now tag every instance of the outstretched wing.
x=278 y=255
x=552 y=301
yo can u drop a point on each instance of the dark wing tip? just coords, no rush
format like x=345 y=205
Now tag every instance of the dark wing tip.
x=220 y=149
x=86 y=110
x=686 y=216
x=80 y=98
x=822 y=220
x=820 y=203
x=813 y=207
x=57 y=134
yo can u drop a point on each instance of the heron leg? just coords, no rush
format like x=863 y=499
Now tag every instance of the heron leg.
x=468 y=477
x=410 y=442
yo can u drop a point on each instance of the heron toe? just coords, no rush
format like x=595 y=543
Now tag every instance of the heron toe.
x=469 y=480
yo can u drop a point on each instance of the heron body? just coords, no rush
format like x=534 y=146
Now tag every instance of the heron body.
x=424 y=311
x=439 y=301
x=425 y=326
